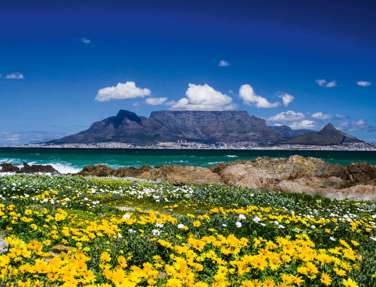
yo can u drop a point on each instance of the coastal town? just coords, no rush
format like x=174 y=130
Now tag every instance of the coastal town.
x=362 y=146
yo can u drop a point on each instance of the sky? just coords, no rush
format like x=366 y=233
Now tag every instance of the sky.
x=64 y=64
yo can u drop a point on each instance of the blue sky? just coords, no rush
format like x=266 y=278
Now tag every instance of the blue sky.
x=64 y=66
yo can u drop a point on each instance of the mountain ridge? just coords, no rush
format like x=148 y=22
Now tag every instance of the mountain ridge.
x=208 y=127
x=328 y=135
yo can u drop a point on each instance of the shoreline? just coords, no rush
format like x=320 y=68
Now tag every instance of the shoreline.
x=196 y=146
x=295 y=174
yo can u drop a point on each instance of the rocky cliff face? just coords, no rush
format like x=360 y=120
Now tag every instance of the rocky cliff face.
x=209 y=127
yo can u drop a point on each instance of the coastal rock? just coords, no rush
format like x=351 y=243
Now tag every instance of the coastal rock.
x=294 y=174
x=268 y=172
x=360 y=173
x=142 y=172
x=303 y=185
x=172 y=173
x=358 y=192
x=27 y=168
x=302 y=175
x=8 y=167
x=37 y=168
x=96 y=170
x=179 y=174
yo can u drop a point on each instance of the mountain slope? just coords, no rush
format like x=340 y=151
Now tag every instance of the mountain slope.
x=328 y=135
x=209 y=127
x=173 y=126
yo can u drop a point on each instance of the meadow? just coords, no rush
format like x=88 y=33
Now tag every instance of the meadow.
x=74 y=231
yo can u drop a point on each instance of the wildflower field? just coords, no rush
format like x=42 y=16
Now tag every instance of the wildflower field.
x=72 y=231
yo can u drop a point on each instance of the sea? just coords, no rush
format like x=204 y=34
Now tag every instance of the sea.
x=73 y=160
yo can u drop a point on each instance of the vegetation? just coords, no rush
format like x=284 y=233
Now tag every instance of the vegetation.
x=72 y=231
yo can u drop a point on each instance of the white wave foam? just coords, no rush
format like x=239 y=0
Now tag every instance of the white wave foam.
x=214 y=162
x=65 y=168
x=8 y=160
x=231 y=155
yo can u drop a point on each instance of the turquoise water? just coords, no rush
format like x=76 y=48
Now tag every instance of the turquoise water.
x=70 y=160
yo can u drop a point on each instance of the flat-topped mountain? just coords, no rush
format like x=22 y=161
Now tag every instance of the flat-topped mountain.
x=328 y=135
x=209 y=127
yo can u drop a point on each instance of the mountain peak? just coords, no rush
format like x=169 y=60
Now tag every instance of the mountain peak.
x=127 y=114
x=328 y=135
x=124 y=114
x=329 y=127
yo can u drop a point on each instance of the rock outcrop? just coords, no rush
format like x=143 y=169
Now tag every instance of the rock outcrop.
x=177 y=174
x=26 y=168
x=294 y=174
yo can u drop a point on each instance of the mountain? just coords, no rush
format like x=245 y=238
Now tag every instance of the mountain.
x=207 y=127
x=328 y=135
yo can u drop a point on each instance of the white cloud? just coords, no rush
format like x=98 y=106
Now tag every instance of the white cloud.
x=203 y=98
x=304 y=124
x=350 y=125
x=85 y=41
x=14 y=76
x=321 y=82
x=294 y=120
x=288 y=116
x=331 y=84
x=320 y=116
x=326 y=84
x=247 y=93
x=286 y=99
x=223 y=63
x=122 y=91
x=360 y=124
x=155 y=101
x=363 y=84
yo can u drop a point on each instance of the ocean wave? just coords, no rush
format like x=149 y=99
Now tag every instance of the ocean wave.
x=65 y=168
x=231 y=155
x=214 y=162
x=8 y=160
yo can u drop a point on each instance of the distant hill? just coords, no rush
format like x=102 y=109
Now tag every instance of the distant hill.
x=329 y=135
x=209 y=127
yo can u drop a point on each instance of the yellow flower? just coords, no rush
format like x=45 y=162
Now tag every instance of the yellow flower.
x=105 y=257
x=28 y=212
x=196 y=223
x=325 y=279
x=340 y=272
x=349 y=283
